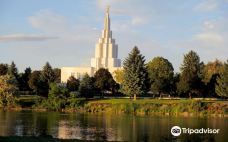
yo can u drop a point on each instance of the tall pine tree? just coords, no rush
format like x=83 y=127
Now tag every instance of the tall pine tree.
x=190 y=81
x=48 y=74
x=12 y=70
x=221 y=88
x=135 y=78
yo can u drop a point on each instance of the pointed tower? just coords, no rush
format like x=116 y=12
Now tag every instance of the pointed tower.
x=106 y=52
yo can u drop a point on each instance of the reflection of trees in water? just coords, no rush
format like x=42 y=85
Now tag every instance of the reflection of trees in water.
x=109 y=127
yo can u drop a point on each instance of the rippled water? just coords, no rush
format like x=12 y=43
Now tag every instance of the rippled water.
x=109 y=127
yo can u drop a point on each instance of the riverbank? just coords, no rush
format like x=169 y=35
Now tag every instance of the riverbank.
x=183 y=107
x=160 y=107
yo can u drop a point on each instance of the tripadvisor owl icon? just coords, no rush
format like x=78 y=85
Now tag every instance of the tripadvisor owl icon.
x=175 y=130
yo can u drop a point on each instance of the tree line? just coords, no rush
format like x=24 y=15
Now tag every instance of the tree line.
x=136 y=78
x=157 y=77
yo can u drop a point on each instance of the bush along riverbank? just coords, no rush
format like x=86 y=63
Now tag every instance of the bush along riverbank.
x=159 y=107
x=186 y=107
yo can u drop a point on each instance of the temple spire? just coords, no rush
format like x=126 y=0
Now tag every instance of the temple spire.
x=107 y=9
x=107 y=20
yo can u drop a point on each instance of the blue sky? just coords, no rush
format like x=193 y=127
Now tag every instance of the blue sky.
x=65 y=32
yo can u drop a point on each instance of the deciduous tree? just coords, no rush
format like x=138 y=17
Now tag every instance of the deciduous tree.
x=104 y=80
x=8 y=90
x=222 y=82
x=160 y=72
x=72 y=84
x=87 y=86
x=3 y=69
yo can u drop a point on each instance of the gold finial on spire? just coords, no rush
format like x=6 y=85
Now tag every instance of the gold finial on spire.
x=107 y=9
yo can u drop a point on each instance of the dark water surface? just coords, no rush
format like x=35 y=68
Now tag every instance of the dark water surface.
x=108 y=127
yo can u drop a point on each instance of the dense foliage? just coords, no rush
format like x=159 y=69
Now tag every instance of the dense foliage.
x=87 y=86
x=222 y=82
x=73 y=84
x=104 y=81
x=160 y=72
x=190 y=82
x=8 y=90
x=195 y=79
x=135 y=76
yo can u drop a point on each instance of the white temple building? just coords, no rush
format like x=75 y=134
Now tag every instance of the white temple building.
x=106 y=55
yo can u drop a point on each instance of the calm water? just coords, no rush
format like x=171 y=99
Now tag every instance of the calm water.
x=107 y=127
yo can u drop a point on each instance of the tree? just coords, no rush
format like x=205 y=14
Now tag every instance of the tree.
x=72 y=84
x=8 y=90
x=57 y=73
x=210 y=73
x=24 y=78
x=190 y=81
x=37 y=84
x=210 y=69
x=118 y=75
x=222 y=82
x=12 y=70
x=3 y=69
x=160 y=72
x=135 y=78
x=57 y=91
x=104 y=80
x=87 y=86
x=47 y=73
x=57 y=97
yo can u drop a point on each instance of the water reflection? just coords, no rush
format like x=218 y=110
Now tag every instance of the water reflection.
x=108 y=127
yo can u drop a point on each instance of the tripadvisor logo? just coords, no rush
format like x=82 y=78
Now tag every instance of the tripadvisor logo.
x=176 y=131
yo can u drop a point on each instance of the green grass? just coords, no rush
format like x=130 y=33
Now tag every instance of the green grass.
x=139 y=106
x=152 y=106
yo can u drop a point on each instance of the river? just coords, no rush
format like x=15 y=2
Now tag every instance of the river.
x=108 y=127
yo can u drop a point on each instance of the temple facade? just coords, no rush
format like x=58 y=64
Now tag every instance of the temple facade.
x=106 y=55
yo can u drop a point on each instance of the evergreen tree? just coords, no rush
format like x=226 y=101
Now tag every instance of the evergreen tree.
x=57 y=73
x=222 y=82
x=34 y=81
x=23 y=79
x=48 y=74
x=12 y=70
x=190 y=81
x=72 y=84
x=135 y=78
x=160 y=72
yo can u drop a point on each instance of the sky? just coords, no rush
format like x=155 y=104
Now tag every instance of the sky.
x=64 y=33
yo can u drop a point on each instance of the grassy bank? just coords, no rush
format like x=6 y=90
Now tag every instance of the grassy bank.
x=129 y=106
x=156 y=106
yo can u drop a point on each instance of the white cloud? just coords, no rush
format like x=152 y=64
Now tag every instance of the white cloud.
x=210 y=38
x=24 y=37
x=208 y=25
x=207 y=5
x=48 y=21
x=138 y=21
